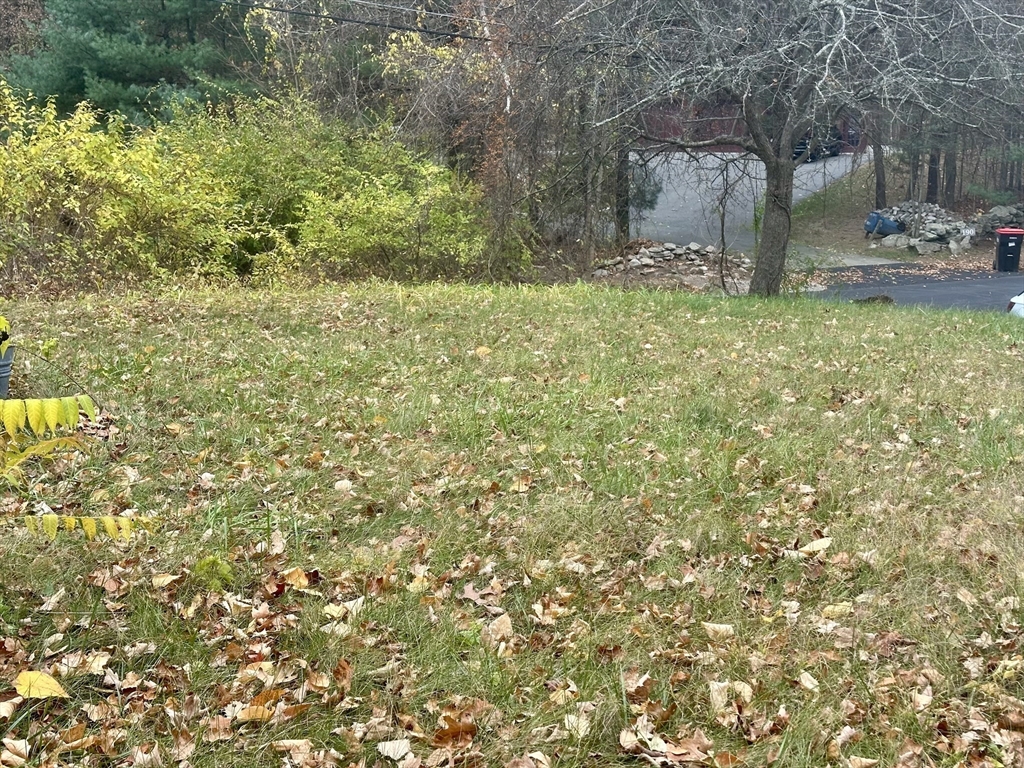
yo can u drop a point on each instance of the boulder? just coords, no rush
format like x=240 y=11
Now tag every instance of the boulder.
x=957 y=247
x=924 y=248
x=697 y=282
x=937 y=231
x=896 y=241
x=1004 y=212
x=998 y=216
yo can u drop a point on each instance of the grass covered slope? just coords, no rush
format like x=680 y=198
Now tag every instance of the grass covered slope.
x=594 y=527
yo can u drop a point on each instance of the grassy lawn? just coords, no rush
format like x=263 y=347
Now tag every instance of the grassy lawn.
x=492 y=526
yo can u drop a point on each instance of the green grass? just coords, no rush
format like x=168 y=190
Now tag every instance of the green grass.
x=610 y=470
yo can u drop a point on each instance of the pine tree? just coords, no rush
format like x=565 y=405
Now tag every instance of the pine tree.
x=133 y=56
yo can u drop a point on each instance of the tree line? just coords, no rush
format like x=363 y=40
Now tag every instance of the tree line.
x=548 y=104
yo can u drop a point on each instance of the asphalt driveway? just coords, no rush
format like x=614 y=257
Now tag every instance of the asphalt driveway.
x=687 y=208
x=916 y=284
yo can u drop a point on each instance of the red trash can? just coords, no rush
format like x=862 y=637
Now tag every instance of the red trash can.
x=1008 y=242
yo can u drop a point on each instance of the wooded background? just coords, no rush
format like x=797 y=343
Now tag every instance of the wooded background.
x=550 y=106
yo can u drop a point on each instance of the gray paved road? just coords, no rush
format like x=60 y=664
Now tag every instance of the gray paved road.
x=687 y=208
x=912 y=285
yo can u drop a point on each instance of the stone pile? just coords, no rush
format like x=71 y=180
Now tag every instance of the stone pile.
x=929 y=228
x=927 y=221
x=999 y=216
x=693 y=260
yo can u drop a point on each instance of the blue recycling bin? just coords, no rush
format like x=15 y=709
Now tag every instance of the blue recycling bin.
x=877 y=224
x=6 y=366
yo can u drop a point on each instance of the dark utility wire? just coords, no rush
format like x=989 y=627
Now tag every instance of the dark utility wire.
x=361 y=22
x=593 y=44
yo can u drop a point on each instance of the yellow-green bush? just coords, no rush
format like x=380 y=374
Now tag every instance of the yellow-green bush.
x=384 y=224
x=264 y=187
x=339 y=201
x=86 y=202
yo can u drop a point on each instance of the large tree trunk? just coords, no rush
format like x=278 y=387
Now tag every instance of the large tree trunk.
x=949 y=176
x=778 y=212
x=878 y=155
x=934 y=160
x=873 y=128
x=622 y=201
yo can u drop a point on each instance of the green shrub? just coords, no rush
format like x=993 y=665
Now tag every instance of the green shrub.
x=262 y=188
x=83 y=202
x=381 y=225
x=992 y=196
x=336 y=201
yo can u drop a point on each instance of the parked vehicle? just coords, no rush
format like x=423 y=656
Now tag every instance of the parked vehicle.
x=810 y=148
x=1016 y=305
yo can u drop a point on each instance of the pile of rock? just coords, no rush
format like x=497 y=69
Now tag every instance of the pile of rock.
x=999 y=216
x=929 y=228
x=694 y=260
x=927 y=221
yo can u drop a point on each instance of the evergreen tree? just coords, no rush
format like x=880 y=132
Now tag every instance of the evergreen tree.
x=133 y=56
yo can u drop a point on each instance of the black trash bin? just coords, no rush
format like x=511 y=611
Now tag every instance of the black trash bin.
x=1008 y=241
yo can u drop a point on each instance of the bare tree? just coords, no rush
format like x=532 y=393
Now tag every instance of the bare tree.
x=542 y=101
x=790 y=68
x=16 y=19
x=527 y=101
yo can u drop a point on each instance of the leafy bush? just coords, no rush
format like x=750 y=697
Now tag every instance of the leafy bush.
x=992 y=196
x=261 y=188
x=80 y=201
x=332 y=200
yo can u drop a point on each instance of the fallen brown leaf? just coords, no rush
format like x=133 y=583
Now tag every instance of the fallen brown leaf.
x=343 y=676
x=637 y=687
x=8 y=707
x=218 y=729
x=147 y=756
x=454 y=734
x=15 y=753
x=254 y=714
x=267 y=697
x=396 y=749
